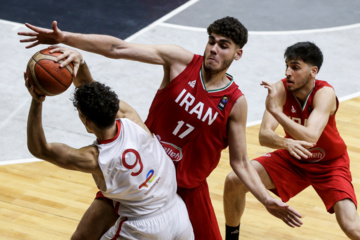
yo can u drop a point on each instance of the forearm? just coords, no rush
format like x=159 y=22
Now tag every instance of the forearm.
x=36 y=140
x=296 y=130
x=248 y=175
x=83 y=75
x=268 y=138
x=95 y=43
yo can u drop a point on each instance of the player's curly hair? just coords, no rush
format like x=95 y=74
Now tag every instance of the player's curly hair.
x=97 y=102
x=308 y=52
x=231 y=28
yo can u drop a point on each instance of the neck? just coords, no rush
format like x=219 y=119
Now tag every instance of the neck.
x=105 y=134
x=302 y=93
x=214 y=80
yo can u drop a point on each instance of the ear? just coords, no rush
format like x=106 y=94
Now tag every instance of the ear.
x=238 y=54
x=314 y=71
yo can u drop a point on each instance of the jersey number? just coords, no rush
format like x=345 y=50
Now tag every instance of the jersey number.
x=137 y=161
x=184 y=132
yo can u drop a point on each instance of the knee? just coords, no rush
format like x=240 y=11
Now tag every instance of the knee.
x=233 y=184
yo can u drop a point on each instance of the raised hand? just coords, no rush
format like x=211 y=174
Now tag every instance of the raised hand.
x=37 y=97
x=71 y=55
x=42 y=35
x=272 y=100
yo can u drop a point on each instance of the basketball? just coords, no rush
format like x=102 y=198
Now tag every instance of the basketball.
x=46 y=75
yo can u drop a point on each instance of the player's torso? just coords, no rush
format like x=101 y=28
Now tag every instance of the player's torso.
x=190 y=121
x=330 y=144
x=137 y=172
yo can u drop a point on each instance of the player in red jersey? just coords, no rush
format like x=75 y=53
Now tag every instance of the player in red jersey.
x=305 y=107
x=199 y=111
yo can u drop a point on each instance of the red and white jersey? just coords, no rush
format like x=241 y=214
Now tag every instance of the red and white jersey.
x=191 y=122
x=137 y=171
x=330 y=144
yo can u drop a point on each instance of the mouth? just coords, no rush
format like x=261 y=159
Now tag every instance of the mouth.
x=289 y=82
x=212 y=59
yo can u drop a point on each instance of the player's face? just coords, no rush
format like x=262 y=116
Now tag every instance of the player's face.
x=219 y=53
x=298 y=75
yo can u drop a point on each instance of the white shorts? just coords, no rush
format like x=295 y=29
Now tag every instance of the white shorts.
x=171 y=222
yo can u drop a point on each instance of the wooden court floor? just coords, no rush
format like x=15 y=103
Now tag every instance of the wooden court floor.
x=41 y=201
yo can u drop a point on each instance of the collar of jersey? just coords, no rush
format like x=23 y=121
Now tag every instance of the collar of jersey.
x=216 y=90
x=118 y=125
x=303 y=106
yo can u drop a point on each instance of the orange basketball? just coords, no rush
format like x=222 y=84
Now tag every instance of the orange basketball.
x=46 y=75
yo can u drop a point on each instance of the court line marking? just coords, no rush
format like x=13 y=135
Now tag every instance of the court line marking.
x=162 y=19
x=250 y=124
x=308 y=31
x=13 y=113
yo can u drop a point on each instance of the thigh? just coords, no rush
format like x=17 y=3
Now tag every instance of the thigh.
x=280 y=176
x=332 y=182
x=97 y=219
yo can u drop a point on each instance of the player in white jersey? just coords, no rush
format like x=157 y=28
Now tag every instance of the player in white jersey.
x=128 y=164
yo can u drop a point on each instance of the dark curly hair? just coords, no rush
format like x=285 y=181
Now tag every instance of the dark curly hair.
x=97 y=102
x=231 y=28
x=308 y=52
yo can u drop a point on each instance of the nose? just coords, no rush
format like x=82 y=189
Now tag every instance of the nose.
x=287 y=72
x=213 y=49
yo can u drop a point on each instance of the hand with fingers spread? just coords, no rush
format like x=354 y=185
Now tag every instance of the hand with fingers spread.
x=283 y=211
x=71 y=55
x=42 y=35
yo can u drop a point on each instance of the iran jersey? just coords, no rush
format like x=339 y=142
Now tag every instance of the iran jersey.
x=137 y=171
x=191 y=122
x=330 y=144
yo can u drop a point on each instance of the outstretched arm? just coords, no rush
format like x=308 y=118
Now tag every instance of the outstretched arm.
x=62 y=155
x=246 y=172
x=108 y=46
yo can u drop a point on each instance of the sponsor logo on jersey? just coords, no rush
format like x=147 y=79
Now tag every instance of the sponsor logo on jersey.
x=188 y=102
x=318 y=154
x=293 y=109
x=192 y=83
x=174 y=152
x=150 y=176
x=223 y=103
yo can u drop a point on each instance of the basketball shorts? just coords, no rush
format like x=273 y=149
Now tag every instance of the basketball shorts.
x=331 y=179
x=201 y=212
x=170 y=222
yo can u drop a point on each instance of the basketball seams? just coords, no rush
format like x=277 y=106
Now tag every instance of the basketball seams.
x=53 y=76
x=39 y=63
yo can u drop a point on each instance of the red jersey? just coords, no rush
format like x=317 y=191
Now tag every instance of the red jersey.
x=330 y=144
x=191 y=122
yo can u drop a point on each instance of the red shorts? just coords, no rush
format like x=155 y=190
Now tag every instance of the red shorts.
x=331 y=179
x=201 y=212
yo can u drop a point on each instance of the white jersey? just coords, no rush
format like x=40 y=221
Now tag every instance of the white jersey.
x=137 y=172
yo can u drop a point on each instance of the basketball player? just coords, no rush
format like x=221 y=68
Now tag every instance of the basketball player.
x=197 y=112
x=127 y=162
x=305 y=107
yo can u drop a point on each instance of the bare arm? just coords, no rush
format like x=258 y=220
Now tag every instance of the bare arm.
x=168 y=55
x=238 y=152
x=324 y=106
x=246 y=172
x=62 y=155
x=269 y=138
